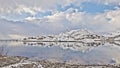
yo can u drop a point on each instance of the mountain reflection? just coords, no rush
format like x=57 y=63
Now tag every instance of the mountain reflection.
x=76 y=46
x=70 y=52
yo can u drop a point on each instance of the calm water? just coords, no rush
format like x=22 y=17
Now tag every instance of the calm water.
x=70 y=52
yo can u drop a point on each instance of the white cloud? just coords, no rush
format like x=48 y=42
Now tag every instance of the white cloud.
x=62 y=21
x=115 y=18
x=107 y=21
x=33 y=7
x=38 y=5
x=30 y=18
x=76 y=18
x=58 y=21
x=22 y=8
x=7 y=6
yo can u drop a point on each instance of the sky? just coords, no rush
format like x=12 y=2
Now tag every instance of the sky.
x=19 y=18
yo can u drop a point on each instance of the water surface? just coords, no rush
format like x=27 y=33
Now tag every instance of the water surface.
x=69 y=52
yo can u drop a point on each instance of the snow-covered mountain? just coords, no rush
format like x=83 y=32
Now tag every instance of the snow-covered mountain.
x=114 y=34
x=74 y=35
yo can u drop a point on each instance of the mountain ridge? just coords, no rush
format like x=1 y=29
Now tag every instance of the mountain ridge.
x=73 y=35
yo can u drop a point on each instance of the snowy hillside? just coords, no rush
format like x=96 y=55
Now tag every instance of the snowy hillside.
x=114 y=34
x=74 y=35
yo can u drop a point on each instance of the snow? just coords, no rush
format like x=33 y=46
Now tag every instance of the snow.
x=22 y=63
x=73 y=35
x=77 y=40
x=112 y=34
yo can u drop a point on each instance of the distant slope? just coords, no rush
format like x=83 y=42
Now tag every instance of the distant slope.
x=73 y=35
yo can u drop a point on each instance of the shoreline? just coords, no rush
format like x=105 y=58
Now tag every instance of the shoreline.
x=24 y=62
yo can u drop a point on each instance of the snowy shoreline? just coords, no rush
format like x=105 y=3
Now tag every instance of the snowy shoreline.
x=23 y=62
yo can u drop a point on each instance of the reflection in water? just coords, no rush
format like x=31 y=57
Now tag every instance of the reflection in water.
x=70 y=52
x=76 y=46
x=115 y=43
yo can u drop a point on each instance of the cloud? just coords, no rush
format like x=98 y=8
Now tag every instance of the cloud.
x=22 y=8
x=30 y=18
x=8 y=6
x=55 y=16
x=25 y=8
x=30 y=6
x=107 y=21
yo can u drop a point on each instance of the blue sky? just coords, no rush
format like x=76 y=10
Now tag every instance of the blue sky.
x=52 y=17
x=93 y=8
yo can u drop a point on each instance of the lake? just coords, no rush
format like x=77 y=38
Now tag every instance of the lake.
x=69 y=52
